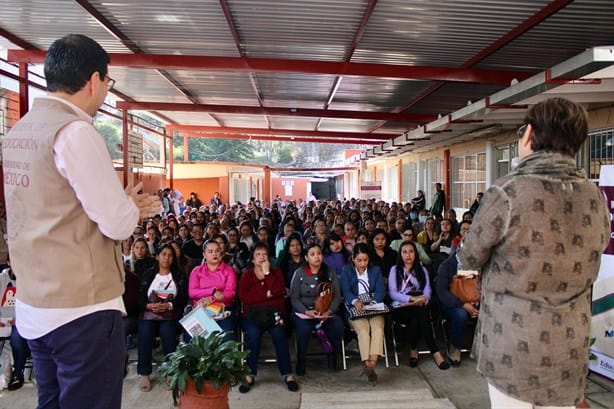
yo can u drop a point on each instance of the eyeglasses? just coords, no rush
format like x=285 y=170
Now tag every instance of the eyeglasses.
x=110 y=84
x=520 y=132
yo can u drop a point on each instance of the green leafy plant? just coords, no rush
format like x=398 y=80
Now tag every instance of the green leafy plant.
x=205 y=359
x=591 y=356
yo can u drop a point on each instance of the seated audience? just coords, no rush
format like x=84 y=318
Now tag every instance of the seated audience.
x=261 y=291
x=410 y=290
x=213 y=281
x=357 y=279
x=162 y=296
x=303 y=293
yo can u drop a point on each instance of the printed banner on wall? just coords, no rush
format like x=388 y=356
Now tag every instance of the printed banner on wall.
x=602 y=328
x=371 y=190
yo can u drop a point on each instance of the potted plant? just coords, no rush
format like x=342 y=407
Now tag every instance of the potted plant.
x=200 y=372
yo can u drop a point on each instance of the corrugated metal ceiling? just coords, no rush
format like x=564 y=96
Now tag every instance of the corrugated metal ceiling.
x=416 y=33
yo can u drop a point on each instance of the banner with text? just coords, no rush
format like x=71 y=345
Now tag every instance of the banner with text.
x=602 y=328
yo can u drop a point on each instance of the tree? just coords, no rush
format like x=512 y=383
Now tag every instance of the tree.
x=220 y=150
x=111 y=136
x=283 y=152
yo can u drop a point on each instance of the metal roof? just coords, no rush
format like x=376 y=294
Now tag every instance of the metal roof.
x=352 y=67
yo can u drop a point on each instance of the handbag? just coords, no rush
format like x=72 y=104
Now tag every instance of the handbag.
x=263 y=317
x=324 y=297
x=327 y=346
x=365 y=298
x=465 y=288
x=160 y=297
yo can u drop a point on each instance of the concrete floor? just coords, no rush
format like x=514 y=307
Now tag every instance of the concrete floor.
x=462 y=386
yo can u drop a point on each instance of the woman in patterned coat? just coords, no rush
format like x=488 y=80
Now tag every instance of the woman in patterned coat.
x=538 y=237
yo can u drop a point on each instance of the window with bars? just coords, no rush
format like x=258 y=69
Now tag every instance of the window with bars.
x=468 y=177
x=409 y=181
x=433 y=175
x=597 y=150
x=505 y=153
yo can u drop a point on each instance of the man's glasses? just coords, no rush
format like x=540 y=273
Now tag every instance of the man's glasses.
x=520 y=132
x=110 y=84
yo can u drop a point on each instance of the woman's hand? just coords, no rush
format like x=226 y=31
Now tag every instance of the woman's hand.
x=157 y=307
x=471 y=310
x=205 y=301
x=360 y=307
x=418 y=301
x=262 y=270
x=312 y=313
x=218 y=295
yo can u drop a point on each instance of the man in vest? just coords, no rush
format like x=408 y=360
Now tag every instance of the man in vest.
x=64 y=232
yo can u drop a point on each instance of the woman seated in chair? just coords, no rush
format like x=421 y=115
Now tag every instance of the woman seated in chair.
x=454 y=310
x=261 y=291
x=410 y=291
x=359 y=280
x=215 y=281
x=162 y=295
x=303 y=293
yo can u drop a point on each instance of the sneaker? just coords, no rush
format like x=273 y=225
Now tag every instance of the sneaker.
x=454 y=355
x=16 y=382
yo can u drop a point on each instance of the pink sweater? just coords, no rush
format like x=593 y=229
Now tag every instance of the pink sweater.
x=203 y=281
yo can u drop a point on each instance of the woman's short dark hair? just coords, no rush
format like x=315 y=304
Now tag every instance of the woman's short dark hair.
x=71 y=61
x=559 y=125
x=259 y=245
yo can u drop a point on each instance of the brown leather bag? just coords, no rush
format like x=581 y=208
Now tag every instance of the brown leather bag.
x=466 y=289
x=324 y=297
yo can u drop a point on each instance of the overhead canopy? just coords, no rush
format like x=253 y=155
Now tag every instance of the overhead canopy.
x=357 y=71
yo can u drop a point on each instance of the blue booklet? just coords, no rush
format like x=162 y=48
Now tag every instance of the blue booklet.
x=199 y=322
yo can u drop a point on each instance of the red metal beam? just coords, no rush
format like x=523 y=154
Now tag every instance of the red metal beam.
x=276 y=132
x=525 y=26
x=238 y=64
x=349 y=53
x=282 y=138
x=235 y=35
x=132 y=46
x=277 y=111
x=522 y=28
x=20 y=42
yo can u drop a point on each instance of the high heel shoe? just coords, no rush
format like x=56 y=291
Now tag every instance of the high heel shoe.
x=246 y=388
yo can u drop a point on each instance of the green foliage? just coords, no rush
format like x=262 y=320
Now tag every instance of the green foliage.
x=220 y=150
x=205 y=359
x=591 y=356
x=283 y=152
x=111 y=136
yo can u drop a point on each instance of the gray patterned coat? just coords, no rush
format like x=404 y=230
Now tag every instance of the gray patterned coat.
x=538 y=237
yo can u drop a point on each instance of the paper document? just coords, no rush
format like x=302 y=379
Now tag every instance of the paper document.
x=199 y=322
x=380 y=306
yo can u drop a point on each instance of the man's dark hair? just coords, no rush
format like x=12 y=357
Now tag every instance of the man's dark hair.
x=559 y=125
x=71 y=61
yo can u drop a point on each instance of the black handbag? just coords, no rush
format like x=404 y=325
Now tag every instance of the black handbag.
x=365 y=298
x=262 y=316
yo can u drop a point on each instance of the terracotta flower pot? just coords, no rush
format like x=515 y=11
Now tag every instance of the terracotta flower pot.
x=211 y=398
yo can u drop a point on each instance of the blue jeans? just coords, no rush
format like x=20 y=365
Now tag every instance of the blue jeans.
x=253 y=338
x=333 y=327
x=21 y=351
x=457 y=317
x=148 y=329
x=81 y=363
